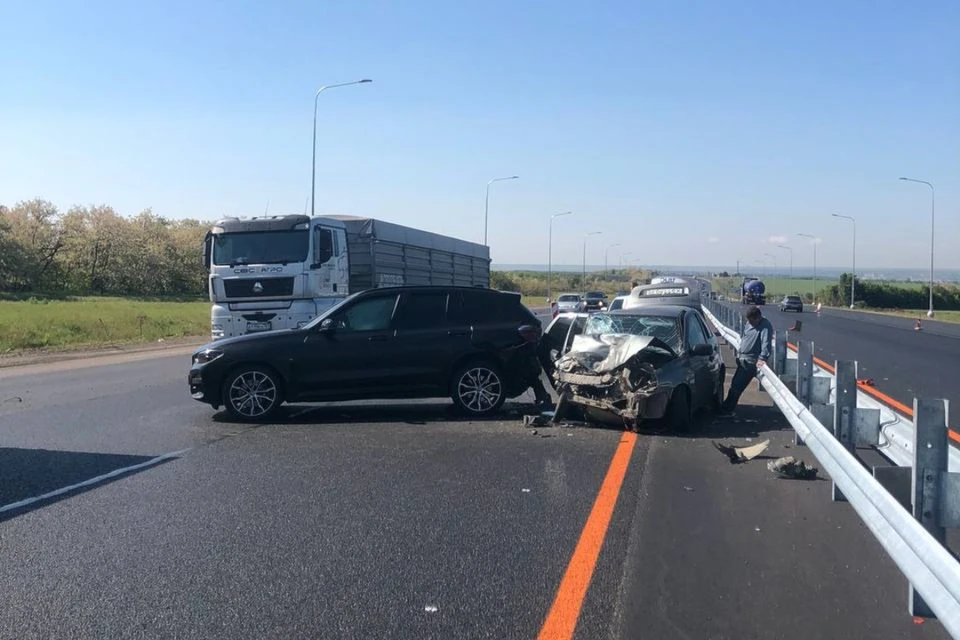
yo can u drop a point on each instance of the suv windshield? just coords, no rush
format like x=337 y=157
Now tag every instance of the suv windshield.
x=793 y=298
x=595 y=295
x=663 y=327
x=261 y=247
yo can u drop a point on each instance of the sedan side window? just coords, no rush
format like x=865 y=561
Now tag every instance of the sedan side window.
x=372 y=314
x=694 y=332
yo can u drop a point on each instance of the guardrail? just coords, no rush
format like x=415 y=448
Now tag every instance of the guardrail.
x=908 y=507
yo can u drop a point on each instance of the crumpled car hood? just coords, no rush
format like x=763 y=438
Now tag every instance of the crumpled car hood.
x=608 y=352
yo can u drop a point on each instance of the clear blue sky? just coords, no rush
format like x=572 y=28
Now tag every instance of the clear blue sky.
x=690 y=133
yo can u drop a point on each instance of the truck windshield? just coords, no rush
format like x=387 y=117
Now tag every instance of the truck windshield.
x=261 y=247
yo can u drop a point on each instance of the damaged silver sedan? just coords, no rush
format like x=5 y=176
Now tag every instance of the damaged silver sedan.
x=633 y=365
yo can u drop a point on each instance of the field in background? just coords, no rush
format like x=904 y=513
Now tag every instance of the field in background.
x=776 y=286
x=73 y=322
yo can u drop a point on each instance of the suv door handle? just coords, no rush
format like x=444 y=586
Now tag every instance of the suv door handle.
x=456 y=333
x=378 y=338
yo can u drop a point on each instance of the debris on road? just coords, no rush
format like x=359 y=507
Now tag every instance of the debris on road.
x=430 y=608
x=688 y=489
x=739 y=455
x=788 y=467
x=14 y=399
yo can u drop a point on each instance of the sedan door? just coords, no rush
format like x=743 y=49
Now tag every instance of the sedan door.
x=701 y=365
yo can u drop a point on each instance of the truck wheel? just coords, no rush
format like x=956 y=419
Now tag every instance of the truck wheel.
x=678 y=411
x=252 y=393
x=477 y=389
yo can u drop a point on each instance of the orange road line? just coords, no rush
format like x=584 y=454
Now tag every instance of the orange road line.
x=561 y=621
x=879 y=395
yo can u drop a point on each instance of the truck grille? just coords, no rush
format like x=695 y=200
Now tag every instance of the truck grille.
x=268 y=287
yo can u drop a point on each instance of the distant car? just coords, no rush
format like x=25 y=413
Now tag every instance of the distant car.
x=595 y=301
x=617 y=303
x=476 y=346
x=791 y=303
x=569 y=303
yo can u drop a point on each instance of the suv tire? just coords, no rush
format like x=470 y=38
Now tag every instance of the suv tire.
x=477 y=388
x=252 y=393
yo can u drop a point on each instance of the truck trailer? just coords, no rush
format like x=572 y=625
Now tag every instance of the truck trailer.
x=280 y=272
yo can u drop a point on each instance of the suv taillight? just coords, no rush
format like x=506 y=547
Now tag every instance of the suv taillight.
x=530 y=333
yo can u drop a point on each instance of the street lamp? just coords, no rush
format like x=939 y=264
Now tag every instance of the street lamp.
x=486 y=206
x=814 y=239
x=606 y=254
x=622 y=256
x=588 y=234
x=313 y=172
x=773 y=274
x=933 y=195
x=790 y=249
x=550 y=255
x=853 y=276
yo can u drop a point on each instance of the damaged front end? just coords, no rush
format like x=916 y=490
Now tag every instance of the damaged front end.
x=613 y=377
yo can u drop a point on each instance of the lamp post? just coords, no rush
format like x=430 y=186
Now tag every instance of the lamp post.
x=622 y=256
x=814 y=239
x=550 y=256
x=584 y=276
x=853 y=276
x=773 y=274
x=606 y=254
x=313 y=172
x=933 y=195
x=790 y=249
x=486 y=205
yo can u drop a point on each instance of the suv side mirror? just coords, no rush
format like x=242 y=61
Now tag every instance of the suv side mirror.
x=329 y=326
x=702 y=350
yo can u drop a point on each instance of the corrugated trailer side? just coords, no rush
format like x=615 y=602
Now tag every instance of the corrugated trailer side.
x=387 y=254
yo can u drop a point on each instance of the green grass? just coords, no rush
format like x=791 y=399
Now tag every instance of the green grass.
x=63 y=323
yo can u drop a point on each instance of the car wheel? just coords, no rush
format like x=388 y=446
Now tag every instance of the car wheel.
x=478 y=389
x=678 y=411
x=252 y=393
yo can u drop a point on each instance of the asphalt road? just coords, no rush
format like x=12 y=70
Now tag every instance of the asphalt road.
x=399 y=520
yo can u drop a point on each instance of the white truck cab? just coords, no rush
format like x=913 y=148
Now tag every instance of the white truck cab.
x=275 y=272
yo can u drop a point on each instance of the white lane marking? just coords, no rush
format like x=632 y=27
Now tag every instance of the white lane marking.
x=92 y=481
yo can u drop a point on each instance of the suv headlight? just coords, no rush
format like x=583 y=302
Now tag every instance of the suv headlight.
x=207 y=355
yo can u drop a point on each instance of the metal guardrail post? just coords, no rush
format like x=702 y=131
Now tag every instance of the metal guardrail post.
x=779 y=353
x=804 y=371
x=844 y=412
x=935 y=499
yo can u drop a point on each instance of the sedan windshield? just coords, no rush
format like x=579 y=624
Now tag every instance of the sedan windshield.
x=261 y=247
x=568 y=299
x=663 y=327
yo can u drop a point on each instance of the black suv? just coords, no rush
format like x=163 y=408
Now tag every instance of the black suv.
x=595 y=300
x=477 y=346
